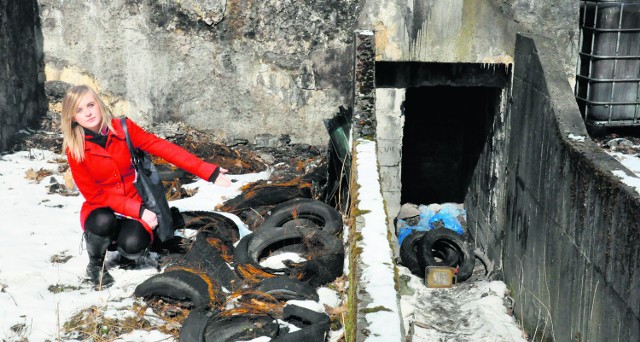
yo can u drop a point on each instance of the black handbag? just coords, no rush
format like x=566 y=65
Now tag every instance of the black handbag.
x=150 y=188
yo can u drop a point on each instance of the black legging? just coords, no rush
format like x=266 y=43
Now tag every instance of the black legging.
x=130 y=235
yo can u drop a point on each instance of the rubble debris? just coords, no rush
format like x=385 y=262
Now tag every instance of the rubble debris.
x=37 y=176
x=263 y=193
x=627 y=144
x=434 y=235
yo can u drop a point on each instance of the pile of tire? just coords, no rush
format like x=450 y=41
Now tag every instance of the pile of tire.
x=437 y=247
x=214 y=273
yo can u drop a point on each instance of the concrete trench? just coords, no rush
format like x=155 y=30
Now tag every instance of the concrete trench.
x=540 y=196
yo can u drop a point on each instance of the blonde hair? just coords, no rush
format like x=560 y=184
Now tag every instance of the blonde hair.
x=72 y=132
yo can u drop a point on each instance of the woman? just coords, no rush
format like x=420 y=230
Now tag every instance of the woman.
x=113 y=214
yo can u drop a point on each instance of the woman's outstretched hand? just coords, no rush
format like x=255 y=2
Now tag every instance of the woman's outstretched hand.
x=222 y=178
x=150 y=218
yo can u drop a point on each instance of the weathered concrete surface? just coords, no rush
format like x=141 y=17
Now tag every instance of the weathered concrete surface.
x=473 y=31
x=364 y=87
x=553 y=19
x=486 y=197
x=237 y=68
x=439 y=30
x=22 y=99
x=390 y=124
x=570 y=228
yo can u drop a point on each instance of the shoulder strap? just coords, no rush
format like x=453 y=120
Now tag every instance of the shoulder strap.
x=132 y=151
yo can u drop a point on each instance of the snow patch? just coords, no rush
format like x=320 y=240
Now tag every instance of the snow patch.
x=578 y=138
x=376 y=257
x=633 y=182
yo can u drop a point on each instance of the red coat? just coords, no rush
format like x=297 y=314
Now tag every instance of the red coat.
x=105 y=176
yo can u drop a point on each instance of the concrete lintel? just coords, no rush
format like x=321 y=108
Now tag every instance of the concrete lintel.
x=420 y=74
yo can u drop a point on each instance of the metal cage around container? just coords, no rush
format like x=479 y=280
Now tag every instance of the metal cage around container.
x=608 y=70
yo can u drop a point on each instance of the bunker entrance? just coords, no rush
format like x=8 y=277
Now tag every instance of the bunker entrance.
x=434 y=121
x=445 y=130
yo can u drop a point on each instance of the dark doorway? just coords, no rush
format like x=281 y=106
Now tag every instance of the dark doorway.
x=445 y=131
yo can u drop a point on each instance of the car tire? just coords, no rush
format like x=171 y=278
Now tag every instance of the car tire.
x=213 y=223
x=270 y=239
x=240 y=328
x=285 y=288
x=446 y=237
x=408 y=252
x=182 y=284
x=314 y=326
x=305 y=213
x=324 y=253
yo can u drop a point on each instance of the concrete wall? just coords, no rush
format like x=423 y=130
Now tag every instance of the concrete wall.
x=373 y=303
x=486 y=196
x=22 y=99
x=570 y=229
x=236 y=68
x=439 y=30
x=241 y=68
x=469 y=31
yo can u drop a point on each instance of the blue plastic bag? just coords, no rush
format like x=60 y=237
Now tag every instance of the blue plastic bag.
x=454 y=210
x=404 y=232
x=449 y=221
x=425 y=215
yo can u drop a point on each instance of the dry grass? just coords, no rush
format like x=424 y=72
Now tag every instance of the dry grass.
x=92 y=324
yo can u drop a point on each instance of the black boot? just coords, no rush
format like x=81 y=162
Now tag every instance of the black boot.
x=97 y=248
x=129 y=261
x=126 y=263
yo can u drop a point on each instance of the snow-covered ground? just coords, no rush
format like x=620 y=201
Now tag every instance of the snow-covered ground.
x=42 y=263
x=470 y=311
x=42 y=257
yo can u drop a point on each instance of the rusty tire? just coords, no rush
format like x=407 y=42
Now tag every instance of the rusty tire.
x=182 y=285
x=305 y=213
x=270 y=239
x=324 y=252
